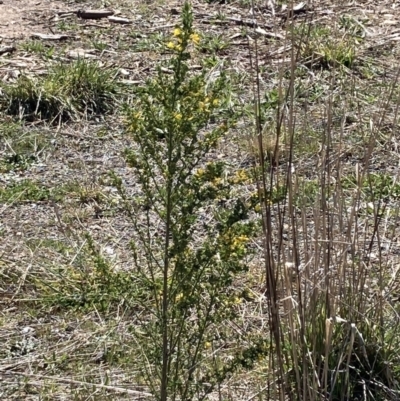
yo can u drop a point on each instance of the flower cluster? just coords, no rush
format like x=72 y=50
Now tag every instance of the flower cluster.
x=205 y=105
x=238 y=243
x=241 y=176
x=180 y=40
x=233 y=244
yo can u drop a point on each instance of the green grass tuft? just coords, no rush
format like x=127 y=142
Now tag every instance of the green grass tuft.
x=67 y=92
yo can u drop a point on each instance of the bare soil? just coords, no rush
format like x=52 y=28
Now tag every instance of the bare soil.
x=19 y=19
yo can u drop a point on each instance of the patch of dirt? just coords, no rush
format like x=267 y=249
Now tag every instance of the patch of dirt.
x=19 y=19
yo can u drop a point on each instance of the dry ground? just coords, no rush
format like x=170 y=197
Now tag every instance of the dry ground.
x=51 y=354
x=19 y=19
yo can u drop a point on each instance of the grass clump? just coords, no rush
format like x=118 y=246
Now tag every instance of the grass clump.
x=38 y=47
x=322 y=47
x=89 y=283
x=214 y=44
x=21 y=147
x=69 y=91
x=25 y=190
x=28 y=190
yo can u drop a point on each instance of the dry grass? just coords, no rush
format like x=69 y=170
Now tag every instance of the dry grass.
x=328 y=93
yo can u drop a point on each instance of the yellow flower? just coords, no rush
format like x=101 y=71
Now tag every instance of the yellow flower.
x=195 y=38
x=215 y=102
x=238 y=243
x=203 y=106
x=171 y=45
x=200 y=172
x=178 y=116
x=207 y=345
x=244 y=238
x=177 y=32
x=236 y=301
x=240 y=176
